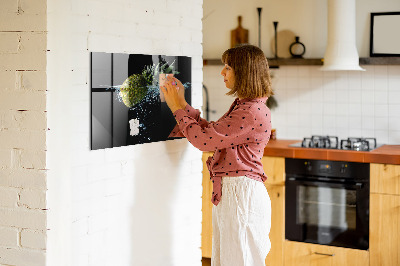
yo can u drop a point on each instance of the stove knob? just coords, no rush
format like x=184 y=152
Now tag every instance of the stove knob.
x=343 y=168
x=308 y=166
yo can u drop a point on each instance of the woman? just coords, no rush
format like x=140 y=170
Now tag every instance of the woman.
x=242 y=208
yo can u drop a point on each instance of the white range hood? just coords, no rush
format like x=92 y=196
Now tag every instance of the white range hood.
x=341 y=51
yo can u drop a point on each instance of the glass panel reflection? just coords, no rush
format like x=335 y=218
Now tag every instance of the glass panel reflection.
x=328 y=207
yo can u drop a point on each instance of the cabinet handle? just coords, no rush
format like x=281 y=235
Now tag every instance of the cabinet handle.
x=324 y=254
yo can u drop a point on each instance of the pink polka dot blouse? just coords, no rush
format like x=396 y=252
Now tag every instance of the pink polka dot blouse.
x=238 y=139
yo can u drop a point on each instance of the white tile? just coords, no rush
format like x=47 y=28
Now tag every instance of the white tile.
x=304 y=72
x=367 y=82
x=394 y=137
x=291 y=71
x=303 y=82
x=381 y=84
x=367 y=123
x=381 y=110
x=304 y=108
x=394 y=70
x=342 y=109
x=293 y=120
x=342 y=81
x=355 y=96
x=355 y=122
x=394 y=97
x=316 y=82
x=354 y=80
x=342 y=96
x=394 y=83
x=317 y=107
x=367 y=110
x=381 y=123
x=380 y=71
x=394 y=110
x=292 y=83
x=329 y=122
x=317 y=131
x=342 y=122
x=329 y=109
x=367 y=96
x=317 y=120
x=328 y=74
x=316 y=72
x=367 y=133
x=355 y=109
x=329 y=94
x=394 y=123
x=382 y=136
x=381 y=97
x=317 y=95
x=355 y=132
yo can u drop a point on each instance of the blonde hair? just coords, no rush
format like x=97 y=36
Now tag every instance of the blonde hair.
x=250 y=66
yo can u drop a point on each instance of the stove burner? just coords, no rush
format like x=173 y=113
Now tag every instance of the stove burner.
x=328 y=142
x=332 y=142
x=358 y=144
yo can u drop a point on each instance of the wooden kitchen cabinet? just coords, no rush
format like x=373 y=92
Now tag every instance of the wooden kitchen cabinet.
x=384 y=236
x=385 y=215
x=274 y=168
x=206 y=225
x=277 y=233
x=385 y=178
x=305 y=254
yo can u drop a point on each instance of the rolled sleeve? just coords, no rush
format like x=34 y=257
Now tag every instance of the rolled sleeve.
x=230 y=131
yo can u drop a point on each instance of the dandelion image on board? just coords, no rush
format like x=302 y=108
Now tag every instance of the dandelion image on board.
x=126 y=105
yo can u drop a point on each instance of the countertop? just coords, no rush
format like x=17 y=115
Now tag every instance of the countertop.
x=389 y=154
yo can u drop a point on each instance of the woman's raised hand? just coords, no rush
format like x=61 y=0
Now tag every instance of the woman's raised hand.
x=181 y=92
x=174 y=93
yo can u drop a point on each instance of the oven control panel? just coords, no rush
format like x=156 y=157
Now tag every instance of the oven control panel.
x=337 y=169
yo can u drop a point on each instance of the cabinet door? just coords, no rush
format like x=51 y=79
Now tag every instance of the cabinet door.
x=304 y=254
x=206 y=232
x=277 y=233
x=385 y=178
x=274 y=168
x=384 y=230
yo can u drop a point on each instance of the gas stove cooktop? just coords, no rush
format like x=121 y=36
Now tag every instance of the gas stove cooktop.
x=332 y=142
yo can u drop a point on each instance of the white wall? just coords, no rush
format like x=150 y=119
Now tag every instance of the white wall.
x=311 y=102
x=306 y=19
x=23 y=133
x=134 y=205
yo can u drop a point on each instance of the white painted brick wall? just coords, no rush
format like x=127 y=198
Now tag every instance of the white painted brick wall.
x=124 y=205
x=23 y=128
x=9 y=237
x=34 y=239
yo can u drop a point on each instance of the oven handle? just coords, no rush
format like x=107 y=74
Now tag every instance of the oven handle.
x=357 y=185
x=324 y=254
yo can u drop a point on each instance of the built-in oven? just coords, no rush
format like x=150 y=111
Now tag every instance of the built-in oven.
x=327 y=202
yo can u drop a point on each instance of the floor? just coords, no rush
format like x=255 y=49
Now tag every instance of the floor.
x=206 y=261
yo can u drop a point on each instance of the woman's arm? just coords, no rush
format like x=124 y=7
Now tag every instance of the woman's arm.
x=174 y=93
x=239 y=127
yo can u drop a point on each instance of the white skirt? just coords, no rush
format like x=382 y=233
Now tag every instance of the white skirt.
x=241 y=223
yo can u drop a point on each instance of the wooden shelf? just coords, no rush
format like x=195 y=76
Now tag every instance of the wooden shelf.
x=380 y=61
x=273 y=63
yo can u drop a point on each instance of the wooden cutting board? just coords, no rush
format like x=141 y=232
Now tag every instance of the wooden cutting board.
x=239 y=35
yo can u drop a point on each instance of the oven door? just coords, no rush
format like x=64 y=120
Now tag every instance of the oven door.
x=327 y=213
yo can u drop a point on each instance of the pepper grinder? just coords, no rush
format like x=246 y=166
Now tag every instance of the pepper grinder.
x=276 y=38
x=259 y=26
